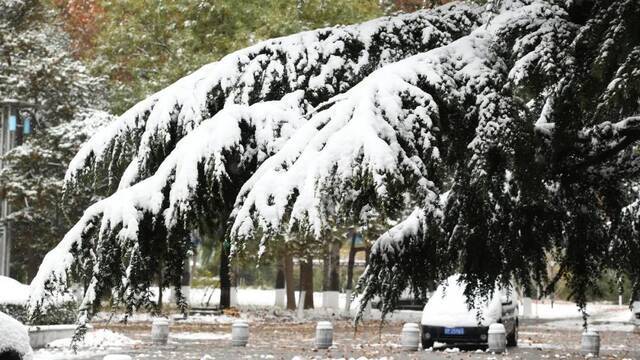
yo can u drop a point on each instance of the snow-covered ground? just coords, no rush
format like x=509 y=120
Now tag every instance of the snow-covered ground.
x=566 y=315
x=544 y=309
x=540 y=309
x=256 y=305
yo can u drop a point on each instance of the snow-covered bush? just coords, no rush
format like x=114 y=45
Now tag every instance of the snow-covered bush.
x=466 y=139
x=14 y=339
x=14 y=299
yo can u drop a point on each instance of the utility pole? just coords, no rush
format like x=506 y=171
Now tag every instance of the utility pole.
x=16 y=121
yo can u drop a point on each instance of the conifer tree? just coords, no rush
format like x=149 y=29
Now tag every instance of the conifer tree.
x=466 y=139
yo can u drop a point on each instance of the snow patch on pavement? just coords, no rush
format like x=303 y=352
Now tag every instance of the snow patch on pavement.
x=98 y=342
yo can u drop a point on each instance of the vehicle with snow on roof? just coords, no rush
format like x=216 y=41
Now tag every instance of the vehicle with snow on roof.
x=446 y=317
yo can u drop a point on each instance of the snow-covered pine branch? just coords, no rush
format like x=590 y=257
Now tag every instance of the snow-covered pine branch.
x=491 y=110
x=380 y=145
x=322 y=63
x=110 y=243
x=220 y=140
x=581 y=110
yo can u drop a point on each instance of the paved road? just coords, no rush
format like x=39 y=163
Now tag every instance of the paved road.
x=288 y=340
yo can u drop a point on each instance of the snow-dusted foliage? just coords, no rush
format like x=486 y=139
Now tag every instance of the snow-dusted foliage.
x=131 y=225
x=37 y=66
x=196 y=142
x=32 y=181
x=379 y=145
x=382 y=146
x=466 y=141
x=322 y=63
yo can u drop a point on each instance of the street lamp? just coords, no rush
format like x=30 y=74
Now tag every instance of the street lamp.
x=16 y=123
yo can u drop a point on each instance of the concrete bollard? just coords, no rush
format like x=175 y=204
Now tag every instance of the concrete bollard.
x=590 y=344
x=117 y=357
x=324 y=335
x=160 y=331
x=410 y=337
x=240 y=333
x=497 y=338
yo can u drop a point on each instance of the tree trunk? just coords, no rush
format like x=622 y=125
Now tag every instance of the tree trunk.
x=288 y=279
x=186 y=273
x=225 y=279
x=334 y=274
x=160 y=284
x=280 y=281
x=326 y=268
x=352 y=260
x=306 y=281
x=331 y=268
x=280 y=289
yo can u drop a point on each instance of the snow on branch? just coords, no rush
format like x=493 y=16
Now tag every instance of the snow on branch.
x=306 y=132
x=248 y=133
x=185 y=151
x=323 y=63
x=378 y=144
x=406 y=256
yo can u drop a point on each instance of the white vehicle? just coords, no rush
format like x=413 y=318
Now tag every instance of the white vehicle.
x=635 y=317
x=447 y=318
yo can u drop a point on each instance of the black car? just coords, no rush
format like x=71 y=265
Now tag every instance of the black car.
x=446 y=317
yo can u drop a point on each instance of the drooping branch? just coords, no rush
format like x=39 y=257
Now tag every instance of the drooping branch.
x=322 y=63
x=604 y=142
x=122 y=236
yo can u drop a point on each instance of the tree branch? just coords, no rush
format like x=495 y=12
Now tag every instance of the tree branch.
x=628 y=130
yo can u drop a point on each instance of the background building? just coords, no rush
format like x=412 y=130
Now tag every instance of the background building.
x=16 y=120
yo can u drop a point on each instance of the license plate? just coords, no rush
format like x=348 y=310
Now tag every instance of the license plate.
x=454 y=331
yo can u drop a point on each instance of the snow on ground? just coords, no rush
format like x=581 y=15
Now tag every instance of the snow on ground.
x=566 y=315
x=602 y=316
x=282 y=333
x=94 y=343
x=565 y=309
x=96 y=339
x=260 y=303
x=16 y=293
x=257 y=307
